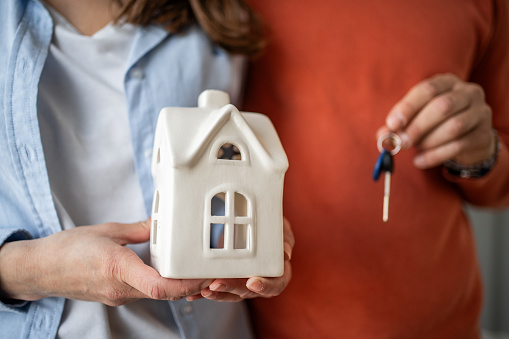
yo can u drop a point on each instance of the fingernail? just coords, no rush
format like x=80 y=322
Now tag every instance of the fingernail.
x=206 y=293
x=217 y=287
x=420 y=161
x=288 y=251
x=395 y=120
x=193 y=297
x=255 y=285
x=206 y=283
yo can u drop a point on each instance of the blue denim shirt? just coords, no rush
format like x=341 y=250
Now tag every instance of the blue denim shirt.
x=163 y=70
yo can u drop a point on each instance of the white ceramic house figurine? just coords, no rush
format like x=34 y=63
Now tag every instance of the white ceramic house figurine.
x=218 y=177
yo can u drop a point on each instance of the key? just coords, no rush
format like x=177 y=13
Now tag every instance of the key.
x=377 y=171
x=388 y=168
x=388 y=144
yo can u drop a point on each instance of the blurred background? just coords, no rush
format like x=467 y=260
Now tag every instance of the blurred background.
x=492 y=236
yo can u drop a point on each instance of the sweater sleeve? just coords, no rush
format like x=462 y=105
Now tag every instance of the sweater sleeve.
x=491 y=190
x=492 y=73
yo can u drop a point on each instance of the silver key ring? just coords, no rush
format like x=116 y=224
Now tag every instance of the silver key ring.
x=395 y=141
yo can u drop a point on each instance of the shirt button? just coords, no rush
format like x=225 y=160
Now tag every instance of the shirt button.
x=148 y=153
x=187 y=309
x=137 y=73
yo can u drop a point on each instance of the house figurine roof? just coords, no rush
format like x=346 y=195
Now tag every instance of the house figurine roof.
x=190 y=129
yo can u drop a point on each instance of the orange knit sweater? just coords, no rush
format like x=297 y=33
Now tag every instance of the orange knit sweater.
x=331 y=73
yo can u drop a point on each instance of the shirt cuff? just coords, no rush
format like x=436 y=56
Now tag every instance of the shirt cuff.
x=9 y=235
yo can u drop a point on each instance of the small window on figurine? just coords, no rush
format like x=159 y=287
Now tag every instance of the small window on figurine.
x=217 y=206
x=216 y=236
x=230 y=232
x=155 y=217
x=240 y=204
x=229 y=151
x=154 y=232
x=241 y=230
x=241 y=237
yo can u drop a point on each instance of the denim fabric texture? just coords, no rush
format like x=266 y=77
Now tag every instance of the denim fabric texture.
x=163 y=70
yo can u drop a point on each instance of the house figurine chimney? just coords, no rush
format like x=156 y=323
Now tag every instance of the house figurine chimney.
x=213 y=99
x=218 y=176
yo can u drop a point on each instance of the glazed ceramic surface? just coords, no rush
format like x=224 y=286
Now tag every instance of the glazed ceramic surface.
x=218 y=176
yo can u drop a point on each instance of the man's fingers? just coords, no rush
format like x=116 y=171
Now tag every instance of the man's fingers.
x=221 y=296
x=232 y=286
x=271 y=287
x=406 y=109
x=226 y=289
x=238 y=289
x=477 y=143
x=461 y=109
x=454 y=128
x=438 y=111
x=289 y=239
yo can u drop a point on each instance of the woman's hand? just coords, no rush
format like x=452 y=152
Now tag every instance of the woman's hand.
x=446 y=119
x=239 y=289
x=88 y=263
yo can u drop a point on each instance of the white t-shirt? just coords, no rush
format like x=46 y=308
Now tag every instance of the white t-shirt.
x=87 y=144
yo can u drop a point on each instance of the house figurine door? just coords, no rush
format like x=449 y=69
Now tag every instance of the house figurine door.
x=218 y=175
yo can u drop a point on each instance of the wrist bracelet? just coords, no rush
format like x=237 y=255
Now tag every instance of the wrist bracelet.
x=477 y=170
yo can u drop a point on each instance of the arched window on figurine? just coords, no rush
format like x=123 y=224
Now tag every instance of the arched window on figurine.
x=229 y=151
x=231 y=224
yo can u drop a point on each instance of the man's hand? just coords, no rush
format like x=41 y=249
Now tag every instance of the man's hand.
x=239 y=289
x=446 y=119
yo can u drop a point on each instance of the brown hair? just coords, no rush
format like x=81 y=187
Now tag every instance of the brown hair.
x=230 y=24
